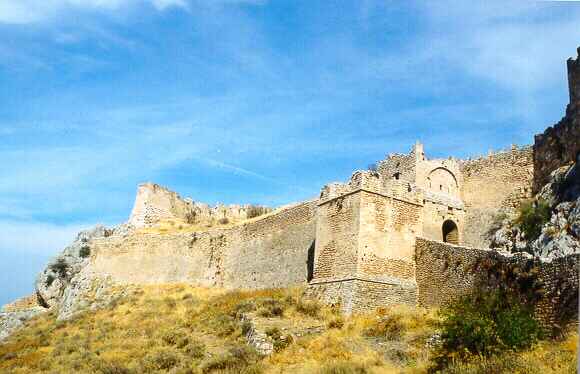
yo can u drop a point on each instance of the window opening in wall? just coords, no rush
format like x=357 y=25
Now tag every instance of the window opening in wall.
x=450 y=232
x=397 y=175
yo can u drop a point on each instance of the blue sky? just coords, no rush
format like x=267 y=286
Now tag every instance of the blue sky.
x=249 y=101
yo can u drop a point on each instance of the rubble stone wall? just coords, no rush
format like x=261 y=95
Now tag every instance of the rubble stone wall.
x=446 y=271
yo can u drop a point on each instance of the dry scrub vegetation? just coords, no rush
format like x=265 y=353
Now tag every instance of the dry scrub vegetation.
x=181 y=329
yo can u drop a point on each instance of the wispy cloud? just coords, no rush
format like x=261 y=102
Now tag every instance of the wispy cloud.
x=34 y=11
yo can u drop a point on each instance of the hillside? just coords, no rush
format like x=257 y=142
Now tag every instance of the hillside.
x=182 y=329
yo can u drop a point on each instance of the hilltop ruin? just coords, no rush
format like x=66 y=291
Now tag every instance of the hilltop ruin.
x=406 y=232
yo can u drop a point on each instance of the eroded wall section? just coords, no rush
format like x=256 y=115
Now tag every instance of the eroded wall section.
x=492 y=184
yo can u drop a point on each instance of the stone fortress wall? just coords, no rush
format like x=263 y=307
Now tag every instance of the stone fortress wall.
x=559 y=145
x=271 y=251
x=357 y=243
x=446 y=271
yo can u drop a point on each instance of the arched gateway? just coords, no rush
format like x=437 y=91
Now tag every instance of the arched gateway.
x=450 y=232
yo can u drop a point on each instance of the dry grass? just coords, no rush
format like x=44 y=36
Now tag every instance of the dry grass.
x=182 y=329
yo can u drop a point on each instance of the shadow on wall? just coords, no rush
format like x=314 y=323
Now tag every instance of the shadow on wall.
x=310 y=262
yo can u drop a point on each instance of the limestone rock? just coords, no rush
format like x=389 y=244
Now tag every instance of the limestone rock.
x=560 y=236
x=55 y=278
x=12 y=321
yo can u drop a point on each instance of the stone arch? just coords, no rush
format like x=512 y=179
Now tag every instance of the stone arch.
x=442 y=179
x=450 y=232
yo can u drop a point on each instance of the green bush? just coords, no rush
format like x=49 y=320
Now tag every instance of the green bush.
x=533 y=215
x=49 y=280
x=85 y=251
x=60 y=267
x=485 y=323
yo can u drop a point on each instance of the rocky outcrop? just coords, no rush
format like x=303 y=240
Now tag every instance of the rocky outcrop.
x=560 y=236
x=559 y=145
x=53 y=281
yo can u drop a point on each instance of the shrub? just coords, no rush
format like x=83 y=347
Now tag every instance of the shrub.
x=485 y=323
x=256 y=211
x=109 y=367
x=224 y=325
x=195 y=349
x=343 y=368
x=532 y=217
x=308 y=307
x=238 y=357
x=336 y=323
x=60 y=267
x=85 y=251
x=271 y=308
x=245 y=307
x=280 y=341
x=390 y=327
x=161 y=359
x=223 y=221
x=175 y=337
x=49 y=280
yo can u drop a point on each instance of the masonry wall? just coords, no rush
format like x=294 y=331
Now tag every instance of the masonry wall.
x=445 y=272
x=364 y=251
x=491 y=184
x=388 y=227
x=269 y=252
x=560 y=145
x=337 y=237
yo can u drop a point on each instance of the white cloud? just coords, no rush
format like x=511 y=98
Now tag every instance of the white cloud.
x=33 y=11
x=36 y=237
